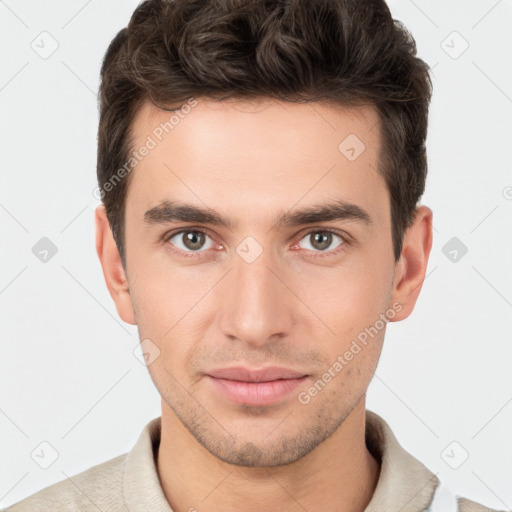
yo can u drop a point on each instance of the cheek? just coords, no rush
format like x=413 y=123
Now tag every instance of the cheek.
x=351 y=300
x=162 y=291
x=171 y=307
x=346 y=298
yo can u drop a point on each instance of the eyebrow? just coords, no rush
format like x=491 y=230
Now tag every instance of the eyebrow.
x=168 y=211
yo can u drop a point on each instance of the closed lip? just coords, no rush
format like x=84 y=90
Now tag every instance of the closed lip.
x=256 y=375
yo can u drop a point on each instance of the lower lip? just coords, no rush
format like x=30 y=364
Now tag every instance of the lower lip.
x=256 y=393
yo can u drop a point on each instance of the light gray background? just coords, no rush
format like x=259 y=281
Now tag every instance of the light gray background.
x=68 y=372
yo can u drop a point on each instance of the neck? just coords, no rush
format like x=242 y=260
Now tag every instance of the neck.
x=339 y=475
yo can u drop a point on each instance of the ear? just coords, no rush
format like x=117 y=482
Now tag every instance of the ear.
x=113 y=270
x=411 y=268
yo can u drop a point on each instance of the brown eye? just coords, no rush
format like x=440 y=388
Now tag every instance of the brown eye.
x=190 y=241
x=321 y=241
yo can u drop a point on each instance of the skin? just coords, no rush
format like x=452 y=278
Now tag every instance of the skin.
x=250 y=161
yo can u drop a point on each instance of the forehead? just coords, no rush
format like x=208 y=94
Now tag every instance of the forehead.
x=243 y=155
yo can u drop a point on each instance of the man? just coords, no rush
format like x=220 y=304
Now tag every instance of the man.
x=260 y=165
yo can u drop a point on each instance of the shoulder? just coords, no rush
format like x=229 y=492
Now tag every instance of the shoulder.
x=404 y=482
x=97 y=488
x=445 y=500
x=466 y=505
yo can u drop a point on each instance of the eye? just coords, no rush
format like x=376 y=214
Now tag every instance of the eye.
x=321 y=240
x=192 y=240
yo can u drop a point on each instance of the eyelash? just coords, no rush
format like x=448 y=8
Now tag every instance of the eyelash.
x=316 y=254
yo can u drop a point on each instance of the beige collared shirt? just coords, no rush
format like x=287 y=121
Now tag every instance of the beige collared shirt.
x=130 y=483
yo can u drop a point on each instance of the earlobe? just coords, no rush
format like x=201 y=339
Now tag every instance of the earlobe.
x=412 y=266
x=113 y=271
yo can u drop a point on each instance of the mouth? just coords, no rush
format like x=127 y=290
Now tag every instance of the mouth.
x=256 y=387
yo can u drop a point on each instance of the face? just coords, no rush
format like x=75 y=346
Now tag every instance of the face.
x=260 y=270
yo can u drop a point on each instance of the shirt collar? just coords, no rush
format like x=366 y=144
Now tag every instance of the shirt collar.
x=142 y=489
x=404 y=484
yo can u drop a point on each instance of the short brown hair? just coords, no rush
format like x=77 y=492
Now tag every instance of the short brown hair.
x=344 y=52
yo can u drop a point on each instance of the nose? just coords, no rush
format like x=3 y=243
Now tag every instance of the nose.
x=256 y=305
